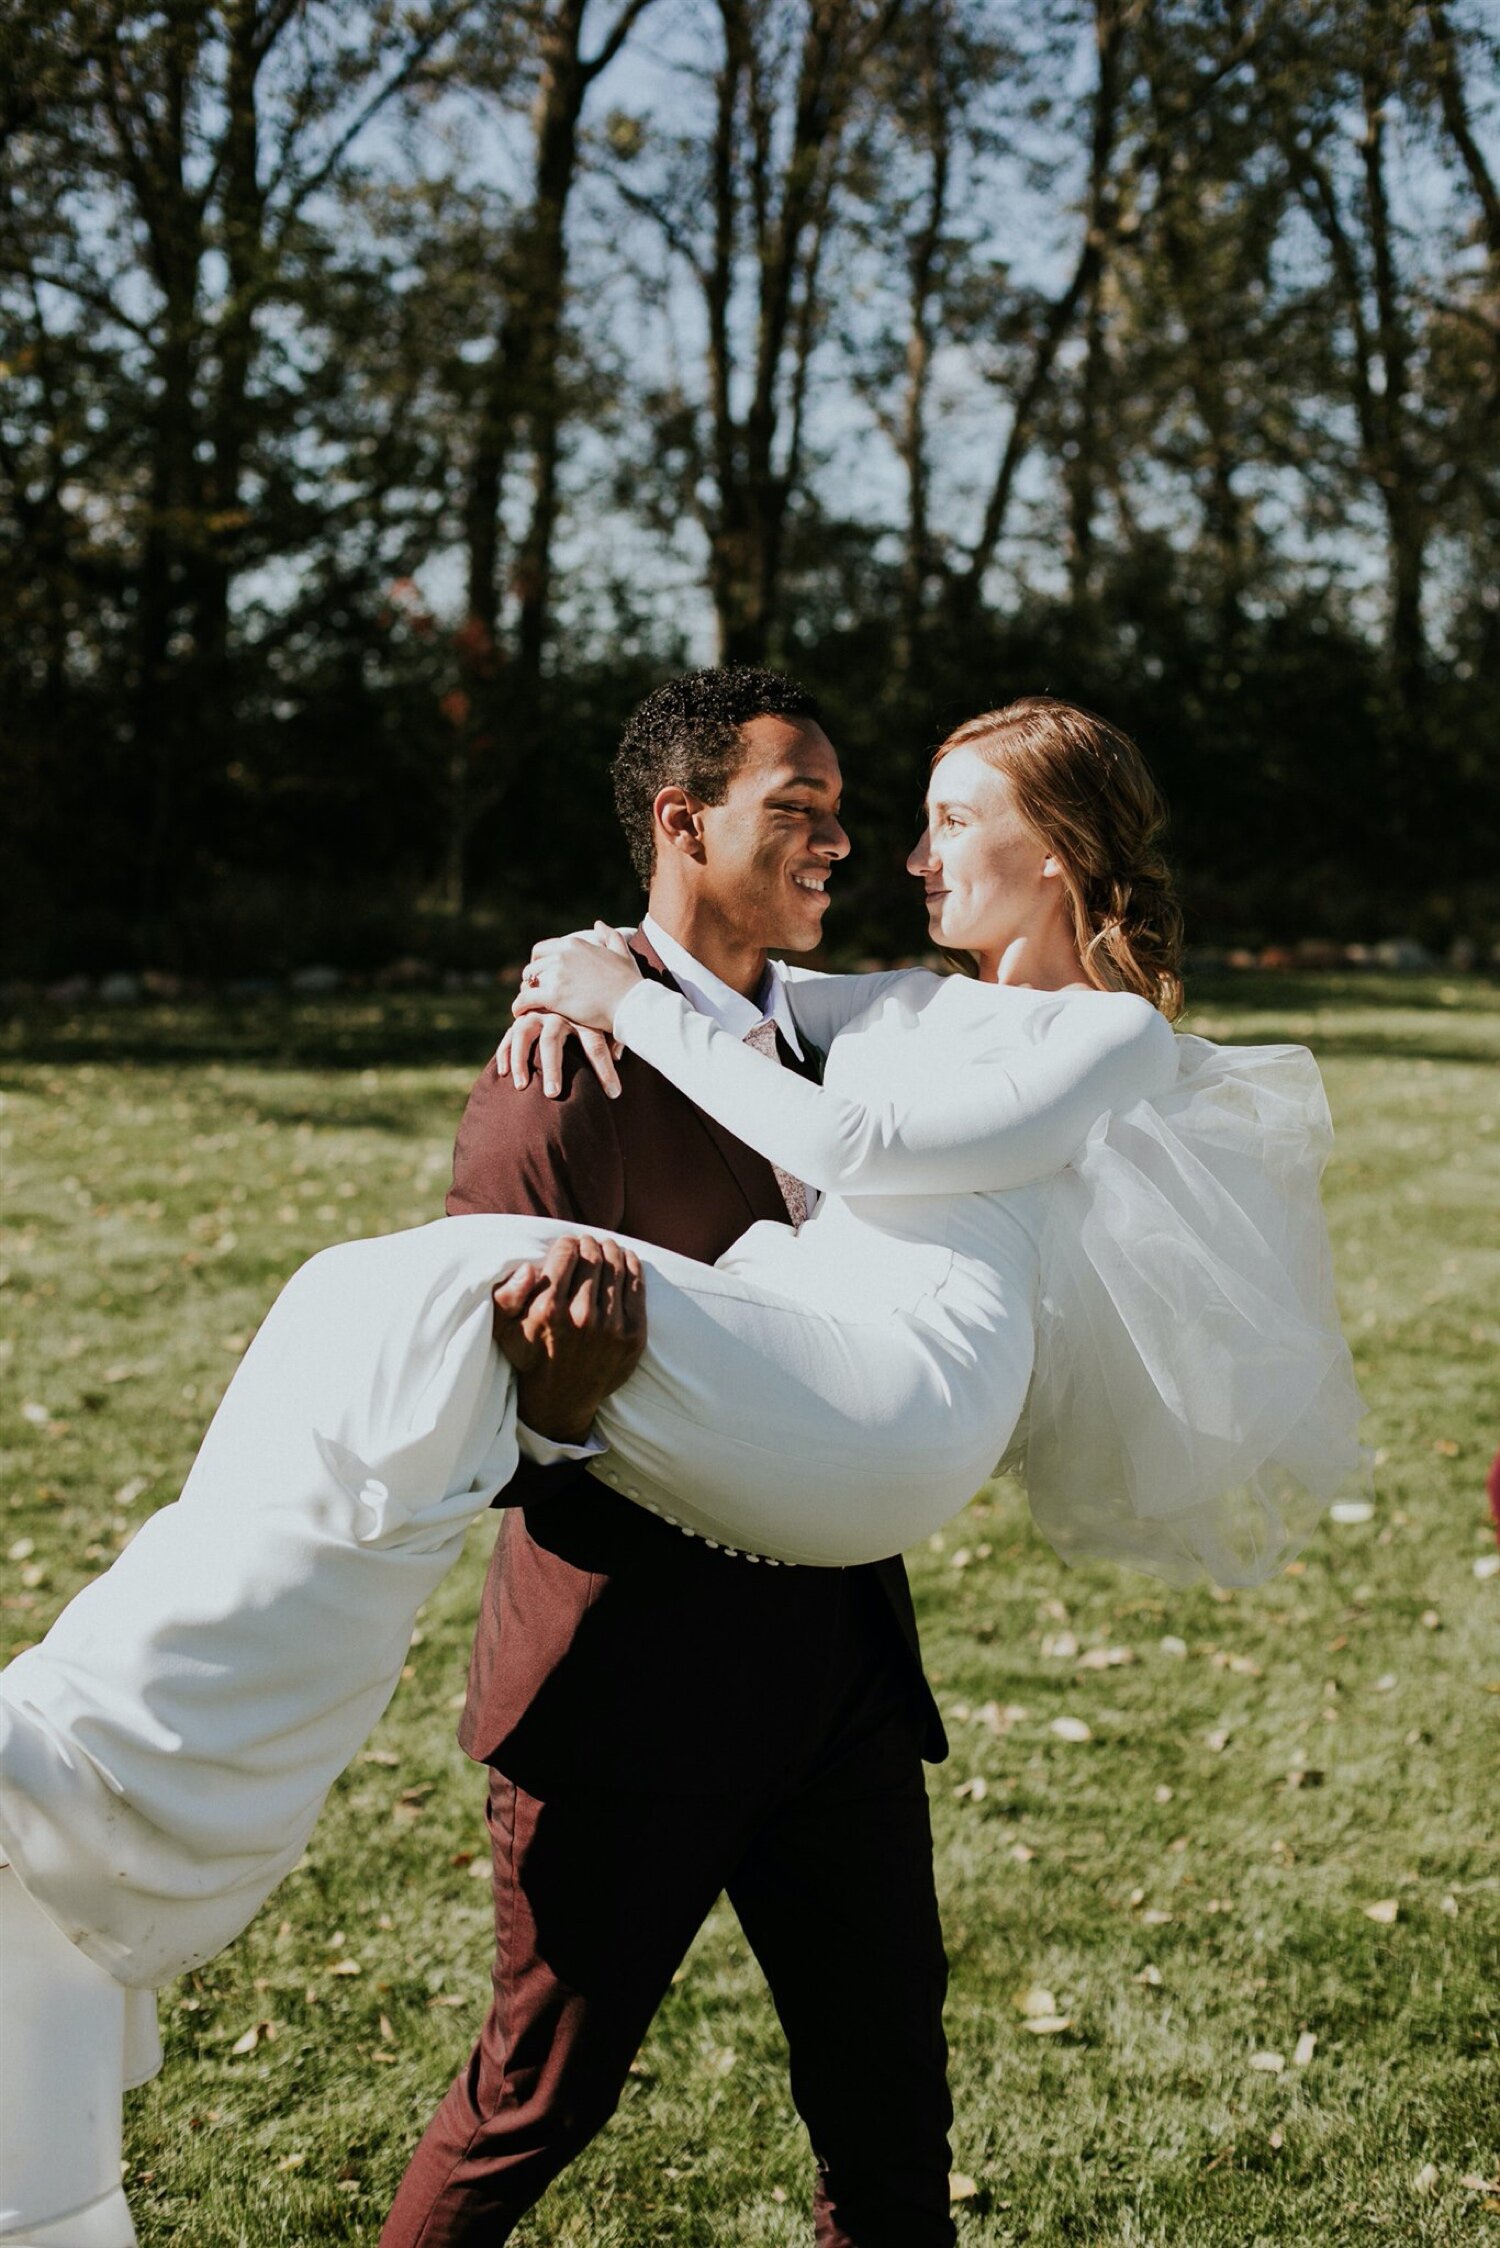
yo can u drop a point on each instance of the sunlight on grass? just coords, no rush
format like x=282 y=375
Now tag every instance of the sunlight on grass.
x=1190 y=1884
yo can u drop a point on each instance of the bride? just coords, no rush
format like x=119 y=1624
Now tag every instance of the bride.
x=1050 y=1231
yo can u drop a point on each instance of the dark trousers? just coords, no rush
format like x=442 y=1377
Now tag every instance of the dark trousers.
x=600 y=1890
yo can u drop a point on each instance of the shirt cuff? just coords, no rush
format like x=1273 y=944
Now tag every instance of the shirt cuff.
x=544 y=1451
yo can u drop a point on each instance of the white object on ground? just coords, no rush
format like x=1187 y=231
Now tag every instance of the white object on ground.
x=73 y=2039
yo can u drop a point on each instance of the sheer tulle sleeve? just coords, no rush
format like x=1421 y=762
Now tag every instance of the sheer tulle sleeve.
x=1187 y=1298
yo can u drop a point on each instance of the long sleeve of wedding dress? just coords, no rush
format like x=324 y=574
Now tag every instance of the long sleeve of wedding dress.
x=987 y=1111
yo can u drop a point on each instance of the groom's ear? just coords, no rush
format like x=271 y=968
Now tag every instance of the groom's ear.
x=678 y=820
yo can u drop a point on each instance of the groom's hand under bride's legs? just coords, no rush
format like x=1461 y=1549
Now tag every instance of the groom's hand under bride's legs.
x=574 y=1329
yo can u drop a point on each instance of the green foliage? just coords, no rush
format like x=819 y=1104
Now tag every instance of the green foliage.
x=1328 y=1741
x=391 y=395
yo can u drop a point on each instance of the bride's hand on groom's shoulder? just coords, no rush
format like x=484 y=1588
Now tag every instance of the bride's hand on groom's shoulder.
x=534 y=1046
x=566 y=981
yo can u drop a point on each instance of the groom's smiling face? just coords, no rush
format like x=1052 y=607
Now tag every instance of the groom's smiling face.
x=769 y=848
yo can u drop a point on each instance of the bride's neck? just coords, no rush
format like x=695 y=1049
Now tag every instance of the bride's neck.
x=1050 y=962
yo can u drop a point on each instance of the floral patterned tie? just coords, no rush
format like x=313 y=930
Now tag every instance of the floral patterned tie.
x=793 y=1192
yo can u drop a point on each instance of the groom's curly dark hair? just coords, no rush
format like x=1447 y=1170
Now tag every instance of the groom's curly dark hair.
x=686 y=734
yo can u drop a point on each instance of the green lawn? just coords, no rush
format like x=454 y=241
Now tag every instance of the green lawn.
x=1190 y=1884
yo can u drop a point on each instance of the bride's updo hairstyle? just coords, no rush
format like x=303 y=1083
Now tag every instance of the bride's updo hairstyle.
x=1086 y=790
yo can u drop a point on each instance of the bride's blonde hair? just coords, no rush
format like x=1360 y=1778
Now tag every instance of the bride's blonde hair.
x=1086 y=790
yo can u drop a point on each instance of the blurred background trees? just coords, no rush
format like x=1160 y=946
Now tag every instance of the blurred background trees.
x=393 y=392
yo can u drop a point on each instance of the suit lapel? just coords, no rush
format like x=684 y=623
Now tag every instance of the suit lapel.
x=751 y=1173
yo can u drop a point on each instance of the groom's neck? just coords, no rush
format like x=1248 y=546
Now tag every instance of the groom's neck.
x=713 y=939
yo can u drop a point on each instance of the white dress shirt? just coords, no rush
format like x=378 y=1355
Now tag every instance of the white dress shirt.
x=711 y=996
x=708 y=995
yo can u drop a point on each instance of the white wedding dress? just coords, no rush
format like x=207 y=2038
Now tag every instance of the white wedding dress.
x=1050 y=1229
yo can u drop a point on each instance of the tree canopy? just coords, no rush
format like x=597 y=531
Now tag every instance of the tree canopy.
x=393 y=394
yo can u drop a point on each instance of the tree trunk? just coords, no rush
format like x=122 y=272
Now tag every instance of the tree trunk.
x=1395 y=468
x=917 y=565
x=230 y=432
x=1449 y=74
x=152 y=146
x=788 y=214
x=966 y=585
x=1087 y=440
x=544 y=280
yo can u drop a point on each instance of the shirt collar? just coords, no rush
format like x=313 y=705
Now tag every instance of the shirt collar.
x=711 y=996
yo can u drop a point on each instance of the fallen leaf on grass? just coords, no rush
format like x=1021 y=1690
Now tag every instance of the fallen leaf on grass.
x=291 y=2162
x=1426 y=2178
x=1047 y=2025
x=999 y=1717
x=1304 y=2049
x=1034 y=2000
x=344 y=1967
x=1022 y=1853
x=1472 y=2182
x=1172 y=1645
x=1150 y=1976
x=1154 y=1917
x=1487 y=1566
x=974 y=1790
x=1385 y=1910
x=1445 y=1447
x=1269 y=2064
x=1346 y=1512
x=379 y=1756
x=1070 y=1729
x=960 y=2187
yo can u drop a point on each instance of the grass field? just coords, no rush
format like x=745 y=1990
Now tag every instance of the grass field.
x=1191 y=1885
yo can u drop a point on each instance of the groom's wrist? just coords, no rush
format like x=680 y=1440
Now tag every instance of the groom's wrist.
x=557 y=1409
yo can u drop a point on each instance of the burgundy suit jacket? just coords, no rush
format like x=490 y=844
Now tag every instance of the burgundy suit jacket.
x=610 y=1647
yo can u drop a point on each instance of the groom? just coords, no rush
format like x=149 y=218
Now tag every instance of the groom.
x=663 y=1721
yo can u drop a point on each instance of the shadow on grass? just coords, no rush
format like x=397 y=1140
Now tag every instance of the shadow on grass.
x=356 y=1032
x=418 y=1030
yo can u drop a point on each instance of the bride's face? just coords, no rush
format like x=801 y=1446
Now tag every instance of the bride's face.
x=988 y=879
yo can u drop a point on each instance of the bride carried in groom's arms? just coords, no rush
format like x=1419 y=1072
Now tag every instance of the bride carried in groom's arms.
x=1046 y=1228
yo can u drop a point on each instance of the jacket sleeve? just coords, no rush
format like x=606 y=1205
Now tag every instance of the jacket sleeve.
x=982 y=1117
